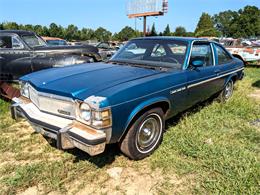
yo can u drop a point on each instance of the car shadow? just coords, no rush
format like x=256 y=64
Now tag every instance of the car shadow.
x=256 y=84
x=101 y=160
x=112 y=150
x=189 y=112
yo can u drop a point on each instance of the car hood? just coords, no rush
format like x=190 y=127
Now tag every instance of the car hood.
x=82 y=81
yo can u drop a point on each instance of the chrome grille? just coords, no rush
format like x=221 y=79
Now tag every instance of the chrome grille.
x=53 y=104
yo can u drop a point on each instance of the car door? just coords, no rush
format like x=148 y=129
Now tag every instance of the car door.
x=13 y=57
x=223 y=65
x=202 y=81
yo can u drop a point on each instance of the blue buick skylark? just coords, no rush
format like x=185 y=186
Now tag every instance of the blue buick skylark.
x=127 y=99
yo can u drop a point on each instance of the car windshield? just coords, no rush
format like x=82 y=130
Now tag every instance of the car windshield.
x=33 y=41
x=153 y=52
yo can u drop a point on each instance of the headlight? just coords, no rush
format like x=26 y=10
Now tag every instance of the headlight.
x=96 y=118
x=85 y=112
x=24 y=89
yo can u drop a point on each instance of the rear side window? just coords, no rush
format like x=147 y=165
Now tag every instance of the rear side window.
x=223 y=56
x=9 y=42
x=202 y=52
x=5 y=42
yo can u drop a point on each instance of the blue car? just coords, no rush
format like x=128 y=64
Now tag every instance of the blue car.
x=127 y=99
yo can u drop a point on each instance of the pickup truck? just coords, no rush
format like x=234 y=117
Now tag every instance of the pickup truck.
x=127 y=99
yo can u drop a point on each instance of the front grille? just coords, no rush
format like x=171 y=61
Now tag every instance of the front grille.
x=53 y=104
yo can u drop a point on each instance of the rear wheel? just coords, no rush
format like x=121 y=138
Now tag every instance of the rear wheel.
x=145 y=135
x=227 y=92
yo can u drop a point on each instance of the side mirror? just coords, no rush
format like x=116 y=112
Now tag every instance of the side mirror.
x=197 y=63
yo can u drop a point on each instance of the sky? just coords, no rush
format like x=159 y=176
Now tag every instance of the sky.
x=111 y=14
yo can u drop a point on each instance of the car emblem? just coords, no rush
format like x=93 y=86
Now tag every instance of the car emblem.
x=64 y=112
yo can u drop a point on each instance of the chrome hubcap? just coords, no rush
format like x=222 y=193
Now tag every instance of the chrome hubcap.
x=228 y=90
x=149 y=132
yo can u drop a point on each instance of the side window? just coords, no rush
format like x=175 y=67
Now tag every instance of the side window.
x=202 y=52
x=16 y=44
x=5 y=42
x=9 y=42
x=223 y=56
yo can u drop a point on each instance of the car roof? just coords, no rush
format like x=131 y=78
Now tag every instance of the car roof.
x=19 y=32
x=172 y=38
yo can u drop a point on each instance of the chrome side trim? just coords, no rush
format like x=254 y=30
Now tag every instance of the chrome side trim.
x=208 y=80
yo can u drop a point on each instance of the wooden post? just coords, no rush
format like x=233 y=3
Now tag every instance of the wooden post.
x=144 y=26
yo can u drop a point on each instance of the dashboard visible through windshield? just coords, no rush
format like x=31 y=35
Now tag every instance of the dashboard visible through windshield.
x=162 y=53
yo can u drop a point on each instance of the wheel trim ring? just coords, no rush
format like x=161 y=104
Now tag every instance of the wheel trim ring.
x=145 y=139
x=154 y=143
x=228 y=90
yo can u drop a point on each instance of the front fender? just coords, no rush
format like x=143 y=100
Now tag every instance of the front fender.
x=141 y=107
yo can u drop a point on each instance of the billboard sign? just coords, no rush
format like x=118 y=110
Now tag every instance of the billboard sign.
x=140 y=8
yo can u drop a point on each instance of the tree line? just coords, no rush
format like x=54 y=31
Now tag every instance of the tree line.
x=242 y=23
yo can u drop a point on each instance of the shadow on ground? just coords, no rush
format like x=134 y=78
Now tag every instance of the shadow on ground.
x=101 y=160
x=256 y=84
x=112 y=151
x=189 y=112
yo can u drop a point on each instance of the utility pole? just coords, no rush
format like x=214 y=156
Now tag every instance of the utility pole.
x=144 y=31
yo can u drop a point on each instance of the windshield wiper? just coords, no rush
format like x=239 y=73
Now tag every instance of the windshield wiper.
x=133 y=64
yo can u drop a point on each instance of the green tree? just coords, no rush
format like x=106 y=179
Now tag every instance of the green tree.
x=55 y=30
x=87 y=34
x=190 y=34
x=10 y=26
x=247 y=23
x=180 y=31
x=45 y=31
x=72 y=33
x=224 y=22
x=38 y=29
x=167 y=31
x=205 y=26
x=125 y=34
x=102 y=34
x=1 y=26
x=28 y=27
x=153 y=31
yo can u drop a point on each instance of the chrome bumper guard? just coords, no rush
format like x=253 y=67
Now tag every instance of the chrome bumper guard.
x=68 y=133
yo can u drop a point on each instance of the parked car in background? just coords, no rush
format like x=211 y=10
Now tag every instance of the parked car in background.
x=127 y=99
x=246 y=50
x=23 y=52
x=54 y=41
x=106 y=49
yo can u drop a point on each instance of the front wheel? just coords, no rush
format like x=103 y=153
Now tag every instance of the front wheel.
x=227 y=92
x=145 y=135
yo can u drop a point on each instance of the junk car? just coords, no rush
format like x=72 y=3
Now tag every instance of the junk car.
x=55 y=41
x=127 y=99
x=23 y=52
x=246 y=51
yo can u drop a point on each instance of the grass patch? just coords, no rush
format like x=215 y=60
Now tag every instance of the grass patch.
x=229 y=163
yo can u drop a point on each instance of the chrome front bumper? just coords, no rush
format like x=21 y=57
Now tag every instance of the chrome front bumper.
x=68 y=133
